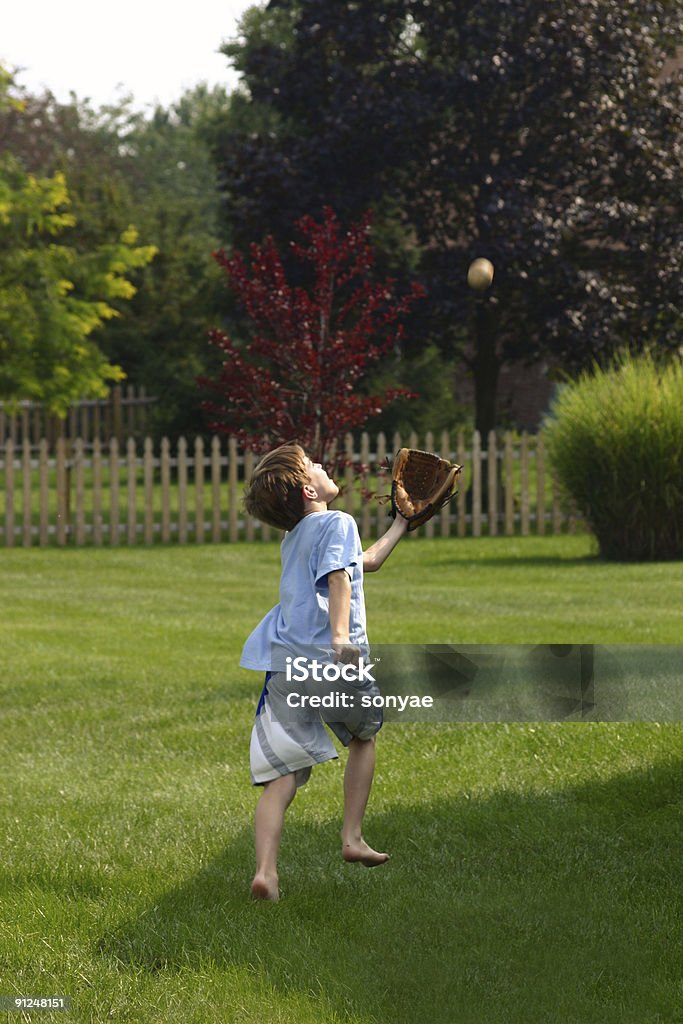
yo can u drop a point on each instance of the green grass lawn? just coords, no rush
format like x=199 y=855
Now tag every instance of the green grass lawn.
x=535 y=872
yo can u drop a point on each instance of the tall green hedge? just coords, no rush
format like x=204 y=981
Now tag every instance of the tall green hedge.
x=615 y=438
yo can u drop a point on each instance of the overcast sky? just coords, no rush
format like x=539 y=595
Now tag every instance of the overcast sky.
x=151 y=48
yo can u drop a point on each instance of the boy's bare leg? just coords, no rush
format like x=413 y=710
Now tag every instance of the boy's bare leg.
x=268 y=821
x=360 y=769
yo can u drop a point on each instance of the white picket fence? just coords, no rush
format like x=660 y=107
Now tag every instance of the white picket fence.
x=122 y=414
x=80 y=493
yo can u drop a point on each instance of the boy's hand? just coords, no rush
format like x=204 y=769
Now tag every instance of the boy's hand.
x=346 y=652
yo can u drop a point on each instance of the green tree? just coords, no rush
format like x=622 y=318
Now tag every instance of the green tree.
x=163 y=342
x=53 y=294
x=542 y=135
x=153 y=171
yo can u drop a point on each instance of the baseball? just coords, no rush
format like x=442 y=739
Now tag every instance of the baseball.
x=480 y=274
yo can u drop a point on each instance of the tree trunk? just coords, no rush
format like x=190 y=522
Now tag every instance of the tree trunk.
x=485 y=367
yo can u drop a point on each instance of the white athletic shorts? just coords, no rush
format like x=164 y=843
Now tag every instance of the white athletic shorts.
x=285 y=741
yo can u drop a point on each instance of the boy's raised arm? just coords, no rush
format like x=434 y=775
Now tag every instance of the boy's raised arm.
x=376 y=555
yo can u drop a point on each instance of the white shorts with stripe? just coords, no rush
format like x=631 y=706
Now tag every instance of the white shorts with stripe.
x=284 y=742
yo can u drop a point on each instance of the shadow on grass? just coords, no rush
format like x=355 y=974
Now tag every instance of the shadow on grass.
x=554 y=907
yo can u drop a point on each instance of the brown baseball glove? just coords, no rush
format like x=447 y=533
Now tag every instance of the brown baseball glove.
x=422 y=484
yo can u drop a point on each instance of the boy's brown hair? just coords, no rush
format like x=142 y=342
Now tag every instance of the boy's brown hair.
x=273 y=494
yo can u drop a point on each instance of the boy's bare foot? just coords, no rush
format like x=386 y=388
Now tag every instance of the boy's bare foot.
x=265 y=887
x=358 y=852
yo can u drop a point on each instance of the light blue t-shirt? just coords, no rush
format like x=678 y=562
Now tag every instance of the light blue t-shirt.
x=320 y=543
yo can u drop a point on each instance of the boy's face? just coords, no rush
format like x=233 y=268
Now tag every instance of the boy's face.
x=322 y=484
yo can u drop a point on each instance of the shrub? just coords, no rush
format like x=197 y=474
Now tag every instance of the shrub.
x=615 y=438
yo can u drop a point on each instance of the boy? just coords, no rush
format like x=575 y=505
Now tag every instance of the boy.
x=322 y=604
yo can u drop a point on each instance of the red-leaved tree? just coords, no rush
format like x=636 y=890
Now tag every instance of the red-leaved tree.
x=298 y=376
